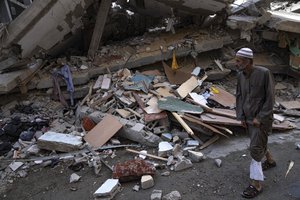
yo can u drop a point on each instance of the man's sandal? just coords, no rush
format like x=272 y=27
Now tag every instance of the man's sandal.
x=251 y=192
x=268 y=165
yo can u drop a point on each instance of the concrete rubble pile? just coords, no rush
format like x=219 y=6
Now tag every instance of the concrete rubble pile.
x=162 y=97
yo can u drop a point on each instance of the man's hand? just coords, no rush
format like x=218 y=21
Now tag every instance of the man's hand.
x=256 y=123
x=244 y=124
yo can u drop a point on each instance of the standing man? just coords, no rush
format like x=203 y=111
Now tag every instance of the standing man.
x=254 y=108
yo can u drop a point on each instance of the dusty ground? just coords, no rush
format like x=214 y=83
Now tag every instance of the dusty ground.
x=204 y=181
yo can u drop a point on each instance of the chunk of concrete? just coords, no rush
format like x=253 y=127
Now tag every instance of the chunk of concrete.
x=74 y=178
x=108 y=189
x=183 y=163
x=192 y=143
x=138 y=127
x=147 y=182
x=218 y=162
x=166 y=136
x=164 y=148
x=34 y=149
x=59 y=142
x=174 y=195
x=196 y=156
x=15 y=165
x=156 y=195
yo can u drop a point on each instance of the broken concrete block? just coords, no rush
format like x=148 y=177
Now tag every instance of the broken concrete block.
x=59 y=142
x=15 y=165
x=156 y=195
x=142 y=137
x=136 y=188
x=176 y=139
x=166 y=136
x=98 y=83
x=174 y=195
x=160 y=129
x=108 y=189
x=132 y=170
x=170 y=160
x=191 y=143
x=34 y=150
x=96 y=116
x=74 y=178
x=218 y=162
x=147 y=182
x=183 y=163
x=196 y=156
x=164 y=148
x=138 y=127
x=106 y=82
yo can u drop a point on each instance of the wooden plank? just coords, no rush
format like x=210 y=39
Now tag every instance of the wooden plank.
x=224 y=98
x=187 y=87
x=183 y=124
x=209 y=142
x=103 y=131
x=291 y=104
x=99 y=27
x=124 y=113
x=216 y=119
x=196 y=120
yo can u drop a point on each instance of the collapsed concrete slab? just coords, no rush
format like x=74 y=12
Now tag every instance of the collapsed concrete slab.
x=61 y=17
x=285 y=21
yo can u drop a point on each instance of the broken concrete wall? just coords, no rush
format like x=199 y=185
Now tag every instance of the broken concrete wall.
x=45 y=23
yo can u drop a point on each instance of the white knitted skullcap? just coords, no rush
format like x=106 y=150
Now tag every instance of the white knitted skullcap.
x=245 y=52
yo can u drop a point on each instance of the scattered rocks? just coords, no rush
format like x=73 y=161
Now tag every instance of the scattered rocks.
x=196 y=156
x=218 y=162
x=183 y=163
x=74 y=178
x=174 y=195
x=156 y=195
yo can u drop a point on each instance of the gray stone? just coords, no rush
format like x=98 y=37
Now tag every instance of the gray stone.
x=174 y=195
x=22 y=173
x=15 y=165
x=192 y=143
x=34 y=150
x=177 y=151
x=138 y=127
x=74 y=178
x=166 y=136
x=170 y=160
x=97 y=116
x=59 y=142
x=156 y=195
x=136 y=188
x=164 y=148
x=196 y=156
x=218 y=162
x=183 y=163
x=147 y=182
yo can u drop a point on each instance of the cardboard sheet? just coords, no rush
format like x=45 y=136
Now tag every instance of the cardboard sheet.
x=103 y=131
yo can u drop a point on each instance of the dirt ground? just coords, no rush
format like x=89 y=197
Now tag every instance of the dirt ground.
x=204 y=181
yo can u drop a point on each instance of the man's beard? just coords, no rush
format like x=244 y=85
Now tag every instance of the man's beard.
x=240 y=68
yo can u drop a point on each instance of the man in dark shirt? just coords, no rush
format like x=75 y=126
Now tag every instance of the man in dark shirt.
x=254 y=108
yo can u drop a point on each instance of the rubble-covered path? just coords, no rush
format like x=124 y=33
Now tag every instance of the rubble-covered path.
x=204 y=181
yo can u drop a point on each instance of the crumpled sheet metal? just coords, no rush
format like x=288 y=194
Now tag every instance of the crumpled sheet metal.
x=132 y=170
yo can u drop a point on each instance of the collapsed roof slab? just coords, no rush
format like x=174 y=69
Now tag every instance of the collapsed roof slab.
x=146 y=55
x=45 y=23
x=284 y=21
x=163 y=8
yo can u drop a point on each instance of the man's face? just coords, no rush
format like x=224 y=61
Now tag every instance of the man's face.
x=241 y=63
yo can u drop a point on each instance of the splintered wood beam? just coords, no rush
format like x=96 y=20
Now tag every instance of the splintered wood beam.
x=209 y=142
x=183 y=124
x=196 y=120
x=99 y=27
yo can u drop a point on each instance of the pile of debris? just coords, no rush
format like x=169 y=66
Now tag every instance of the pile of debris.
x=174 y=112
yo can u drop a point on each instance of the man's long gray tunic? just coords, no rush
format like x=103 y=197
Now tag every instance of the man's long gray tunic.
x=255 y=99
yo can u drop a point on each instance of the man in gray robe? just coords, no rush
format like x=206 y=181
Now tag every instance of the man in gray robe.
x=254 y=108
